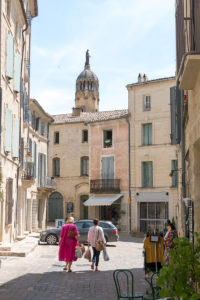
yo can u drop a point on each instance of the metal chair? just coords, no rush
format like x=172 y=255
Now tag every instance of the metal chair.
x=154 y=288
x=124 y=283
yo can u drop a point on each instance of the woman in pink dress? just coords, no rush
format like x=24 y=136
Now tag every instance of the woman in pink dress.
x=68 y=243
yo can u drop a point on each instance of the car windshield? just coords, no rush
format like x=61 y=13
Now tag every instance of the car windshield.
x=105 y=225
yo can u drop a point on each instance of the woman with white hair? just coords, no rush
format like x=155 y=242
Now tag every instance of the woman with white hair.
x=68 y=243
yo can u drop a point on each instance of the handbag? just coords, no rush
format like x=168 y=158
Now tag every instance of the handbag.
x=88 y=255
x=82 y=249
x=99 y=245
x=105 y=255
x=78 y=252
x=71 y=234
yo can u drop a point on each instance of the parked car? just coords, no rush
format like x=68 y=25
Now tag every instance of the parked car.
x=51 y=236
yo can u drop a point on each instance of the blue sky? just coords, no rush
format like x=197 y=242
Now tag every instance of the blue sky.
x=125 y=37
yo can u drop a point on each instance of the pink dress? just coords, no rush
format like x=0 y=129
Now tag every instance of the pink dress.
x=68 y=244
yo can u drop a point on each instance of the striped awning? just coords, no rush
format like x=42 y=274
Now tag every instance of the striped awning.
x=102 y=200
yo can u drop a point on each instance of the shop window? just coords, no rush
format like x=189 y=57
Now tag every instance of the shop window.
x=107 y=138
x=56 y=137
x=84 y=136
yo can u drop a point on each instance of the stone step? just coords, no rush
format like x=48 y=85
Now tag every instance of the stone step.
x=21 y=248
x=21 y=237
x=5 y=248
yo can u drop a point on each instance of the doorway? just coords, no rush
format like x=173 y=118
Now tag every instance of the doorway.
x=83 y=208
x=55 y=206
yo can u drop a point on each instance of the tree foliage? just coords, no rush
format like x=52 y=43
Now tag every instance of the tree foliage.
x=181 y=278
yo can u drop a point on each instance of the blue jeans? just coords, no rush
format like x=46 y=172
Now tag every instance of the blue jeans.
x=95 y=258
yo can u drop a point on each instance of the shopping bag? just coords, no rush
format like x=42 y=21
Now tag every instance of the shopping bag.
x=88 y=254
x=105 y=255
x=82 y=248
x=99 y=245
x=78 y=252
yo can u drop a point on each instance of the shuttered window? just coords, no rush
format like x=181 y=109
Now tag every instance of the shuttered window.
x=35 y=159
x=147 y=134
x=9 y=56
x=8 y=131
x=56 y=137
x=33 y=120
x=84 y=136
x=42 y=129
x=9 y=197
x=174 y=173
x=147 y=103
x=56 y=167
x=17 y=67
x=84 y=166
x=15 y=138
x=22 y=153
x=147 y=174
x=37 y=124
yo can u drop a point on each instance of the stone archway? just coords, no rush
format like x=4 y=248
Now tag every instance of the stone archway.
x=55 y=206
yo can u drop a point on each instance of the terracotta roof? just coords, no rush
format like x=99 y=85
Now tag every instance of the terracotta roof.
x=150 y=81
x=90 y=117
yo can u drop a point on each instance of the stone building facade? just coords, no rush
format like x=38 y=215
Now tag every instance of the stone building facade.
x=88 y=156
x=187 y=108
x=22 y=194
x=154 y=194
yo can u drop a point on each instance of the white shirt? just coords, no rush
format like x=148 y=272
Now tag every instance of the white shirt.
x=95 y=233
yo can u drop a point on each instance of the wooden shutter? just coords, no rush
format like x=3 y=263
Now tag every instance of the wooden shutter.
x=17 y=68
x=150 y=134
x=9 y=200
x=147 y=174
x=15 y=138
x=8 y=132
x=37 y=123
x=35 y=159
x=22 y=153
x=147 y=134
x=175 y=173
x=108 y=167
x=33 y=120
x=45 y=167
x=9 y=56
x=173 y=114
x=57 y=168
x=42 y=128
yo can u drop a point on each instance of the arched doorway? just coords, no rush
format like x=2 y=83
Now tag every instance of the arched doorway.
x=83 y=208
x=55 y=207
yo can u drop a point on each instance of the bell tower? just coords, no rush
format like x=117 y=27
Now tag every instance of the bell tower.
x=87 y=89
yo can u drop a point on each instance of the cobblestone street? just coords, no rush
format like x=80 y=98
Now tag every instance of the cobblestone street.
x=41 y=276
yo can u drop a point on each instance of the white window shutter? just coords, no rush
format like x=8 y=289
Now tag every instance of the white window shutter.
x=17 y=68
x=16 y=138
x=8 y=131
x=9 y=56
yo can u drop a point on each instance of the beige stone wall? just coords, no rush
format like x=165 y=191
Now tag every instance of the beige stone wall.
x=161 y=152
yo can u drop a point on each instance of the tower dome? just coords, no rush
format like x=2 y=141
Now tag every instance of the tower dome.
x=87 y=89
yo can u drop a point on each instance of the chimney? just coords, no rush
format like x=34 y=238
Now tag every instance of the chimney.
x=145 y=78
x=76 y=111
x=139 y=78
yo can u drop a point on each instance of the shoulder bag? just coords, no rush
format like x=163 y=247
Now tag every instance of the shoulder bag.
x=99 y=245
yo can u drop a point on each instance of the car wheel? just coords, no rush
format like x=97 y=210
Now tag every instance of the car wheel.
x=51 y=239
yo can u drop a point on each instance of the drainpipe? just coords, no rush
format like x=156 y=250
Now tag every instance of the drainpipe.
x=129 y=171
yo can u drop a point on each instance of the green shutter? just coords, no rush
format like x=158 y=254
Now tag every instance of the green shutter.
x=147 y=174
x=150 y=173
x=8 y=131
x=17 y=69
x=9 y=56
x=16 y=138
x=175 y=173
x=150 y=133
x=147 y=134
x=143 y=175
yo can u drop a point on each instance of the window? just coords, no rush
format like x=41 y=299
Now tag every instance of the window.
x=174 y=173
x=147 y=174
x=56 y=137
x=37 y=124
x=85 y=166
x=84 y=136
x=153 y=215
x=42 y=129
x=9 y=197
x=147 y=134
x=90 y=86
x=107 y=138
x=56 y=166
x=147 y=103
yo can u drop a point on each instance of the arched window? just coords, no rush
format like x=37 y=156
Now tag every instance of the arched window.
x=85 y=166
x=56 y=166
x=90 y=86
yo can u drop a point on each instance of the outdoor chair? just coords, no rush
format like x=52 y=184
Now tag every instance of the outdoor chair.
x=124 y=283
x=154 y=288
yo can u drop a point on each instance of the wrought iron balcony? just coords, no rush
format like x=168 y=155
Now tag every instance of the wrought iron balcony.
x=105 y=186
x=47 y=183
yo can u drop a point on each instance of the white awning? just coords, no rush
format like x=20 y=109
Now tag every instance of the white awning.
x=152 y=197
x=102 y=200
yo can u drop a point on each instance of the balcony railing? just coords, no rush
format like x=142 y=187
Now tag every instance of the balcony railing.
x=27 y=177
x=48 y=183
x=105 y=186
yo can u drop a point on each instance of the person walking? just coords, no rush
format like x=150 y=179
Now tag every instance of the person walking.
x=170 y=235
x=95 y=234
x=68 y=242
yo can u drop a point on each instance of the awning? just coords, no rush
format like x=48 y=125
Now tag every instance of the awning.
x=102 y=200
